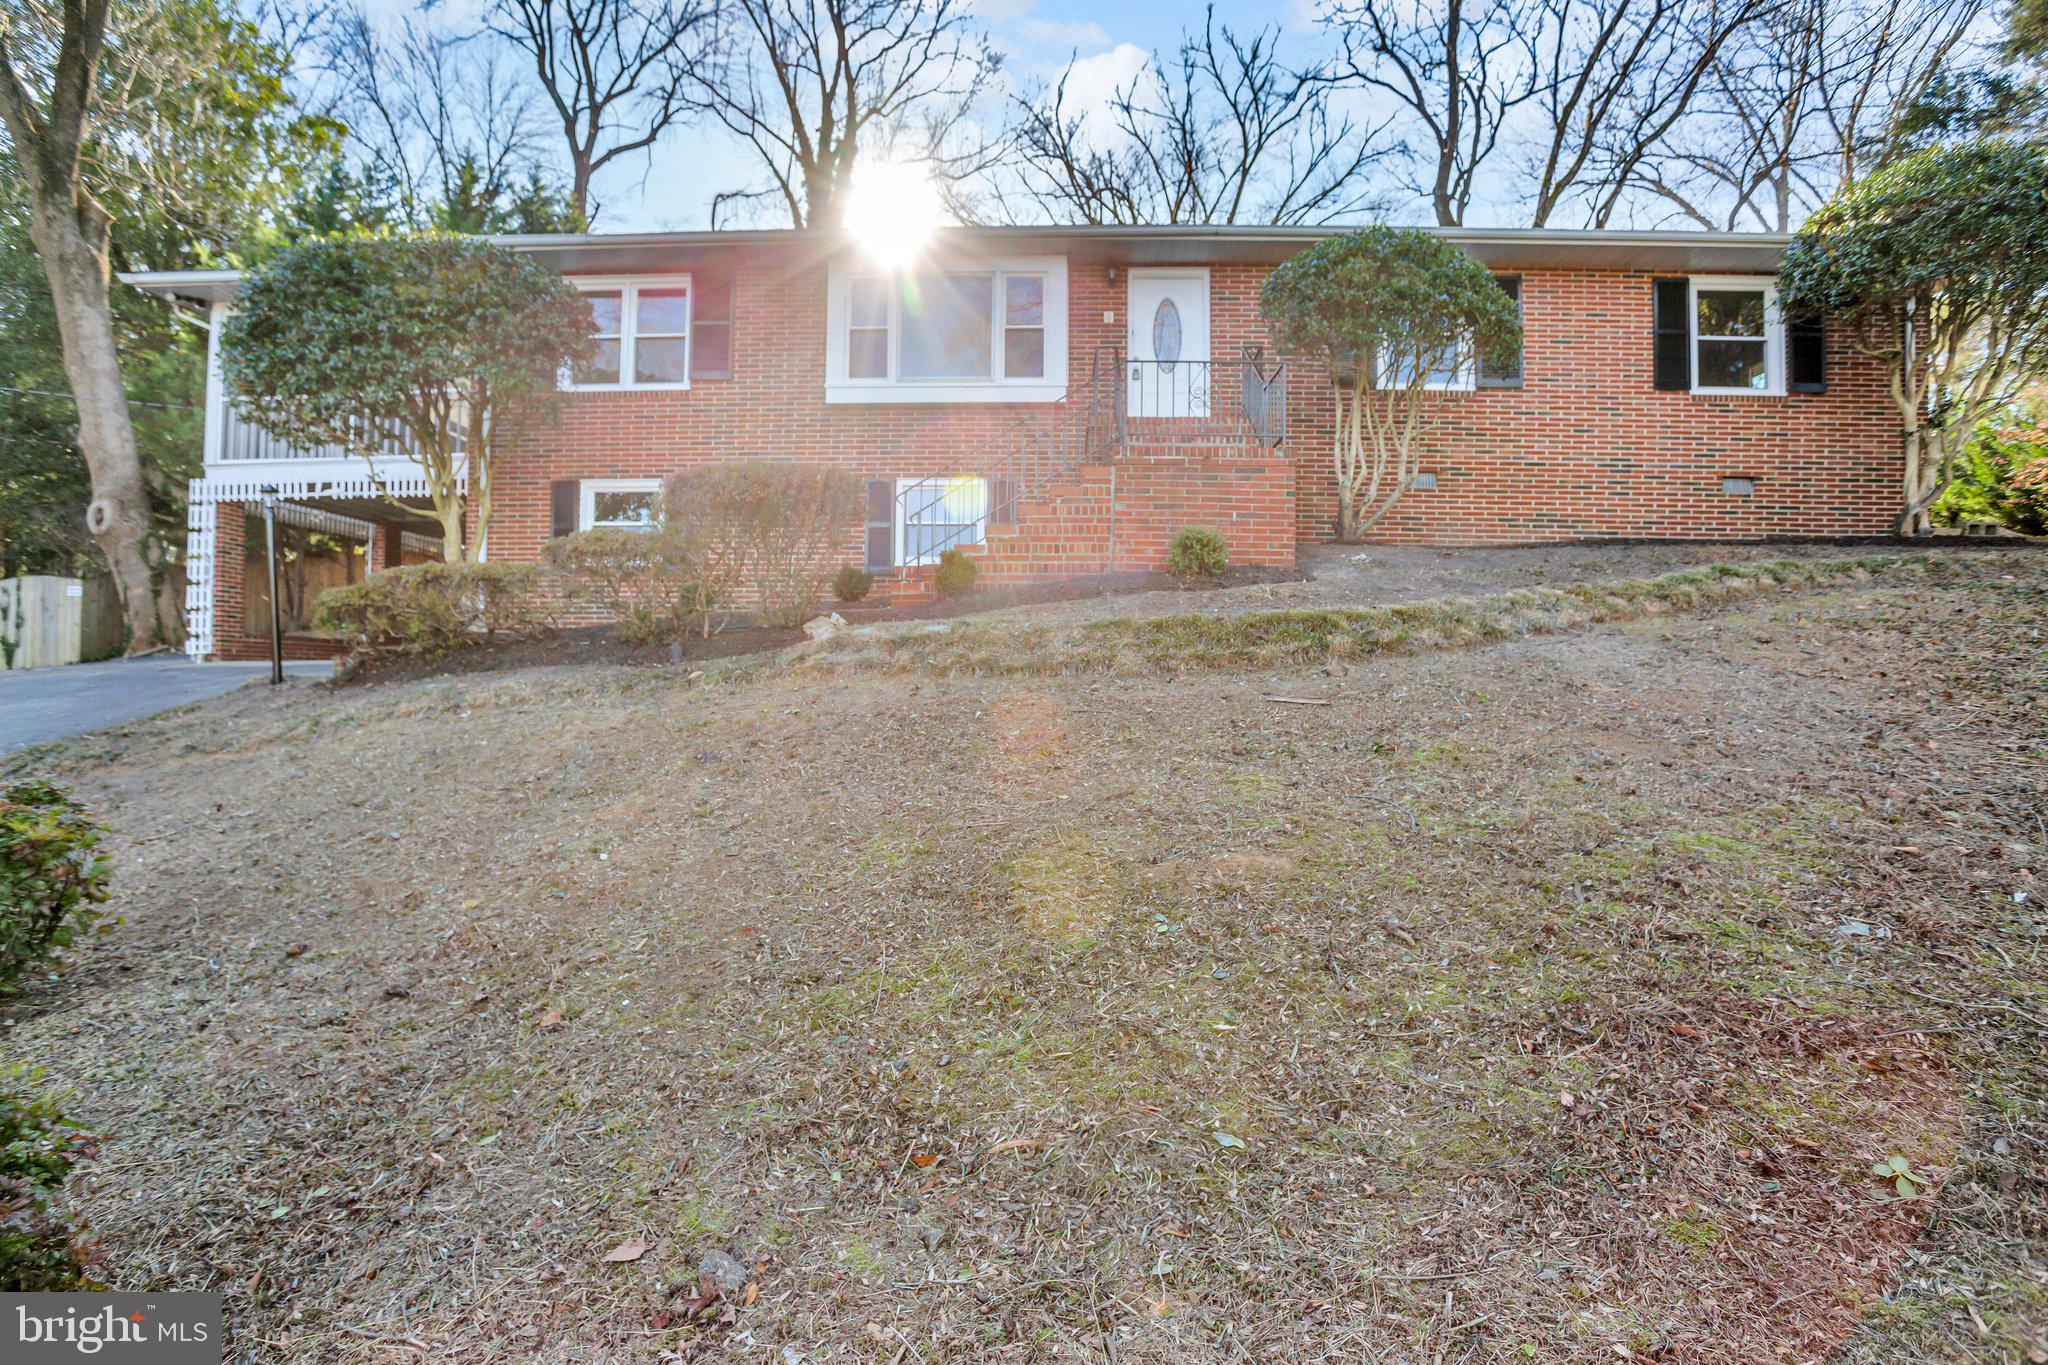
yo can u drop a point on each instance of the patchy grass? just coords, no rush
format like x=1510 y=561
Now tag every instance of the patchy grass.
x=1266 y=638
x=1503 y=1008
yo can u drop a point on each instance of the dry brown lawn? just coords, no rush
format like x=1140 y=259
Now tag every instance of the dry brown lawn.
x=1547 y=1000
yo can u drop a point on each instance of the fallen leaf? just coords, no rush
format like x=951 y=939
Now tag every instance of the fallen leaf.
x=1224 y=1139
x=1567 y=1098
x=1010 y=1146
x=625 y=1251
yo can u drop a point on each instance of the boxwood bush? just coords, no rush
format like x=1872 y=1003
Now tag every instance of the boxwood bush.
x=52 y=877
x=1196 y=553
x=956 y=573
x=851 y=584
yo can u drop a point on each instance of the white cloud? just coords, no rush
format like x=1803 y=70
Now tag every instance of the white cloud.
x=1000 y=11
x=1092 y=84
x=1065 y=32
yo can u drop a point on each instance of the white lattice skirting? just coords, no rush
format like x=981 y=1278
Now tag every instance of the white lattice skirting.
x=205 y=497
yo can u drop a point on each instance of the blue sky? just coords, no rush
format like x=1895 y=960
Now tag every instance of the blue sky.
x=673 y=187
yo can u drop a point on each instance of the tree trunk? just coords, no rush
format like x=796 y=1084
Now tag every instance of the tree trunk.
x=72 y=240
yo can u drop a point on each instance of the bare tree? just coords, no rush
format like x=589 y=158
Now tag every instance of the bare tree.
x=1813 y=98
x=434 y=107
x=1616 y=78
x=48 y=75
x=1460 y=68
x=1561 y=100
x=614 y=70
x=813 y=85
x=1224 y=134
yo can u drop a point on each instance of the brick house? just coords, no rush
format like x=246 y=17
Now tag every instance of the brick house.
x=1061 y=400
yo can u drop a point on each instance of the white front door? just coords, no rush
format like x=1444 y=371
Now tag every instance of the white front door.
x=1167 y=351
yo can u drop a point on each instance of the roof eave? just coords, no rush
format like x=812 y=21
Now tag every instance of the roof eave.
x=1502 y=249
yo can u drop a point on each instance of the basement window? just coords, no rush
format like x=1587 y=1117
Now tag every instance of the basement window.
x=620 y=505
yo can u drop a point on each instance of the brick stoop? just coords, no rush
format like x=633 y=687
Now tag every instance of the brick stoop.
x=1120 y=517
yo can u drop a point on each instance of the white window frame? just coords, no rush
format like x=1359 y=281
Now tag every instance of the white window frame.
x=629 y=287
x=586 y=504
x=904 y=559
x=1464 y=379
x=1048 y=388
x=1774 y=333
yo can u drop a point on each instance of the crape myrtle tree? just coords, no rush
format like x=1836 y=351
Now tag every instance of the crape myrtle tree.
x=453 y=345
x=1937 y=266
x=1385 y=309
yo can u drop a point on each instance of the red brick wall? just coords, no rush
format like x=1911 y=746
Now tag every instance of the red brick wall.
x=1586 y=448
x=1103 y=518
x=232 y=628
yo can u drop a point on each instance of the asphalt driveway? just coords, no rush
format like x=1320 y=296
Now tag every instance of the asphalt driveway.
x=38 y=704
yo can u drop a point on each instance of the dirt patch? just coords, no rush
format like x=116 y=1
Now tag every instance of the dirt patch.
x=1548 y=1001
x=1341 y=576
x=583 y=647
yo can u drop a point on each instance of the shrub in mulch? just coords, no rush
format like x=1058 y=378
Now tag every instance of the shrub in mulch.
x=430 y=609
x=52 y=877
x=956 y=573
x=851 y=584
x=1197 y=553
x=647 y=582
x=39 y=1250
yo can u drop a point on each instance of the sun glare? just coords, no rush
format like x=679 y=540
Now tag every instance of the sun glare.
x=892 y=210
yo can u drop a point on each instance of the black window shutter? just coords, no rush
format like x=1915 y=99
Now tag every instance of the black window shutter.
x=881 y=524
x=1508 y=376
x=566 y=499
x=1672 y=365
x=710 y=326
x=1806 y=355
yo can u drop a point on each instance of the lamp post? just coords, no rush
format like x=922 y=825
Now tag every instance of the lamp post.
x=276 y=620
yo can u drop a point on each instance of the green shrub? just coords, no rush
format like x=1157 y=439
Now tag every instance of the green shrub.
x=851 y=584
x=38 y=1147
x=646 y=581
x=2002 y=476
x=956 y=574
x=770 y=525
x=51 y=879
x=1196 y=553
x=429 y=609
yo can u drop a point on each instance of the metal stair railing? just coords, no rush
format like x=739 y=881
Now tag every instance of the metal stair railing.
x=1042 y=447
x=1031 y=453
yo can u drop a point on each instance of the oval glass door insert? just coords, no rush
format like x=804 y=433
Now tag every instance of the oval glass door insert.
x=1166 y=334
